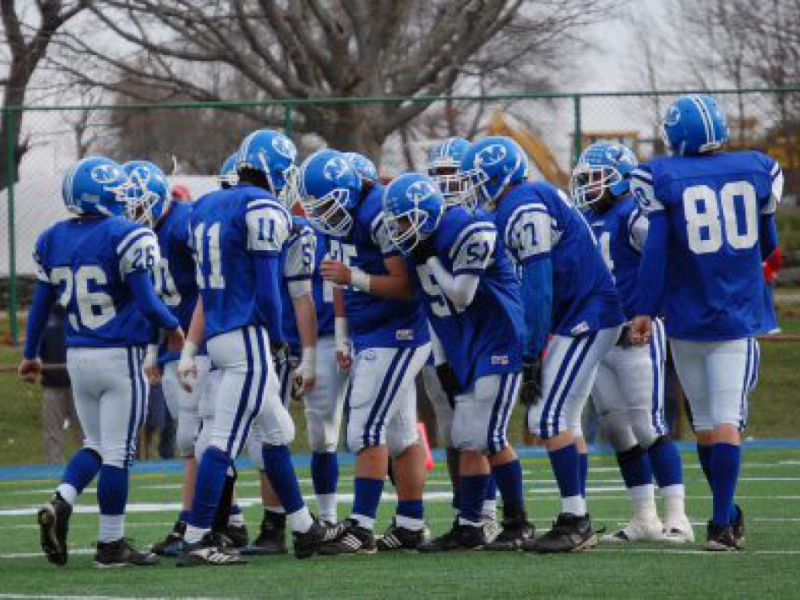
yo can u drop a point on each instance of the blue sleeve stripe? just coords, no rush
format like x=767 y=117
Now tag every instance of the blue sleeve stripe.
x=304 y=277
x=264 y=203
x=470 y=271
x=466 y=235
x=776 y=168
x=642 y=174
x=129 y=241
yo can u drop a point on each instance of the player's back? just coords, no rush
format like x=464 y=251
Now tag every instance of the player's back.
x=228 y=226
x=88 y=260
x=486 y=337
x=714 y=204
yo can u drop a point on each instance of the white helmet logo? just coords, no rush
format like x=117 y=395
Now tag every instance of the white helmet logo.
x=491 y=155
x=673 y=115
x=105 y=174
x=335 y=168
x=420 y=191
x=284 y=147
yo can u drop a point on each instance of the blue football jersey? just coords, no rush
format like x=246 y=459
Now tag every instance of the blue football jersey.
x=175 y=278
x=376 y=322
x=88 y=261
x=298 y=265
x=322 y=290
x=486 y=337
x=621 y=232
x=713 y=204
x=535 y=221
x=229 y=228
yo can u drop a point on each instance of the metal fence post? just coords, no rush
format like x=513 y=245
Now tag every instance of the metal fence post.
x=578 y=132
x=11 y=175
x=287 y=119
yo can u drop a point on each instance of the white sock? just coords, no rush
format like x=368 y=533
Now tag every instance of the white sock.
x=489 y=510
x=574 y=504
x=300 y=520
x=112 y=528
x=643 y=499
x=68 y=493
x=462 y=521
x=194 y=534
x=674 y=502
x=236 y=520
x=327 y=507
x=365 y=522
x=409 y=523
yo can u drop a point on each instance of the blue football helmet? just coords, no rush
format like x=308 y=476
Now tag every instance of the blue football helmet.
x=602 y=166
x=146 y=192
x=694 y=125
x=489 y=167
x=328 y=187
x=271 y=153
x=444 y=158
x=364 y=167
x=92 y=185
x=228 y=177
x=413 y=206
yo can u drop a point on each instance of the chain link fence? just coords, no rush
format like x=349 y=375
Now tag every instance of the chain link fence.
x=192 y=141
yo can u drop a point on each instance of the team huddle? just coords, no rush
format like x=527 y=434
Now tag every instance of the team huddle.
x=313 y=281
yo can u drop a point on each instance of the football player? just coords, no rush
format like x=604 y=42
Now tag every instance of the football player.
x=98 y=266
x=238 y=235
x=463 y=278
x=391 y=344
x=443 y=160
x=712 y=224
x=363 y=166
x=554 y=249
x=629 y=388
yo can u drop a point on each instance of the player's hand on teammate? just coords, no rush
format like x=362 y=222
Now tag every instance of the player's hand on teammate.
x=335 y=271
x=30 y=369
x=641 y=330
x=531 y=390
x=175 y=339
x=151 y=369
x=187 y=366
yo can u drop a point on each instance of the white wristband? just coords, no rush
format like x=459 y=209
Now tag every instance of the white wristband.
x=189 y=350
x=308 y=362
x=359 y=280
x=340 y=331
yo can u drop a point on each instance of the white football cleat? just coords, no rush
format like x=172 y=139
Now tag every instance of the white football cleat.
x=679 y=532
x=637 y=531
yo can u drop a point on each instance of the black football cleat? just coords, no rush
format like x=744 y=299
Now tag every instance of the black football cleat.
x=516 y=530
x=53 y=519
x=234 y=537
x=353 y=540
x=271 y=537
x=721 y=539
x=319 y=536
x=400 y=538
x=121 y=553
x=459 y=538
x=738 y=527
x=570 y=533
x=172 y=545
x=208 y=552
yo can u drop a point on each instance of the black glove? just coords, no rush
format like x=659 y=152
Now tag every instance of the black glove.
x=449 y=381
x=531 y=391
x=280 y=352
x=422 y=251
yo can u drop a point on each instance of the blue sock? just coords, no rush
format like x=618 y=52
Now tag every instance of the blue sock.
x=566 y=468
x=183 y=516
x=211 y=475
x=583 y=466
x=704 y=454
x=367 y=496
x=413 y=509
x=725 y=463
x=634 y=465
x=325 y=472
x=82 y=468
x=473 y=493
x=508 y=478
x=665 y=460
x=280 y=471
x=112 y=490
x=491 y=489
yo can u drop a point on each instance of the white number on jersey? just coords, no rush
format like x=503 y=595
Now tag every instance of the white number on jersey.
x=437 y=299
x=211 y=256
x=705 y=229
x=95 y=308
x=529 y=233
x=165 y=284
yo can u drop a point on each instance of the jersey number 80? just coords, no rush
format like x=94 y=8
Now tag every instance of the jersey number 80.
x=710 y=217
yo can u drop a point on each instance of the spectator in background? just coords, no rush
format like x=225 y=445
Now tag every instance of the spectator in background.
x=58 y=406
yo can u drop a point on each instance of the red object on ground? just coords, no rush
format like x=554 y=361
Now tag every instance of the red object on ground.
x=772 y=266
x=423 y=434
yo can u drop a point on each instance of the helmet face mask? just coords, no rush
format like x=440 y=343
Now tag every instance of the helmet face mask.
x=603 y=172
x=146 y=193
x=444 y=159
x=412 y=207
x=328 y=188
x=328 y=214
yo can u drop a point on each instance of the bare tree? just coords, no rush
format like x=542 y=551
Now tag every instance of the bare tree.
x=26 y=37
x=316 y=49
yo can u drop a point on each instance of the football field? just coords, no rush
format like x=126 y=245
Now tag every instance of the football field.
x=769 y=492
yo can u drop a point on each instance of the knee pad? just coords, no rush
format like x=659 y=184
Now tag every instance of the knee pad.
x=254 y=446
x=276 y=426
x=398 y=443
x=467 y=435
x=323 y=431
x=355 y=439
x=617 y=430
x=185 y=436
x=642 y=424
